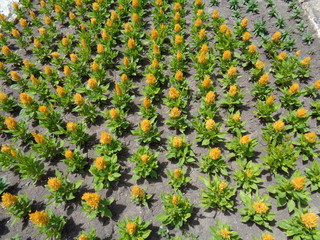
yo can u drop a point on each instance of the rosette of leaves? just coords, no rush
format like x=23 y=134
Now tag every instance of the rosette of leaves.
x=291 y=192
x=214 y=163
x=133 y=228
x=234 y=123
x=303 y=225
x=280 y=156
x=19 y=206
x=50 y=119
x=290 y=98
x=177 y=119
x=180 y=150
x=223 y=231
x=93 y=205
x=17 y=130
x=233 y=98
x=76 y=133
x=45 y=146
x=177 y=178
x=116 y=121
x=147 y=109
x=256 y=210
x=146 y=163
x=247 y=177
x=177 y=209
x=74 y=160
x=108 y=145
x=147 y=132
x=105 y=170
x=265 y=108
x=208 y=131
x=217 y=194
x=275 y=132
x=297 y=120
x=139 y=196
x=61 y=189
x=88 y=236
x=313 y=175
x=242 y=147
x=306 y=146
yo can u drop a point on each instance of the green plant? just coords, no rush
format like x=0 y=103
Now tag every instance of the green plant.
x=3 y=184
x=223 y=231
x=260 y=28
x=242 y=147
x=313 y=175
x=177 y=210
x=147 y=132
x=214 y=163
x=88 y=236
x=308 y=38
x=108 y=145
x=208 y=131
x=94 y=205
x=133 y=228
x=177 y=178
x=306 y=145
x=280 y=22
x=117 y=122
x=74 y=160
x=139 y=196
x=180 y=150
x=253 y=6
x=272 y=12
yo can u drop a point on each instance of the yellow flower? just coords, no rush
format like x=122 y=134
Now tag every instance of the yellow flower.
x=278 y=125
x=248 y=173
x=100 y=48
x=301 y=113
x=64 y=42
x=298 y=53
x=15 y=33
x=260 y=207
x=245 y=139
x=179 y=55
x=154 y=34
x=145 y=125
x=57 y=8
x=39 y=218
x=105 y=138
x=233 y=90
x=15 y=76
x=156 y=49
x=215 y=153
x=36 y=43
x=177 y=27
x=282 y=56
x=25 y=98
x=137 y=191
x=270 y=100
x=47 y=20
x=68 y=154
x=39 y=138
x=263 y=80
x=60 y=91
x=236 y=117
x=177 y=16
x=293 y=88
x=175 y=112
x=114 y=113
x=144 y=158
x=252 y=49
x=198 y=22
x=206 y=83
x=73 y=57
x=55 y=54
x=83 y=237
x=146 y=102
x=197 y=2
x=100 y=163
x=204 y=48
x=151 y=79
x=92 y=83
x=73 y=16
x=178 y=39
x=316 y=85
x=54 y=183
x=177 y=142
x=210 y=124
x=232 y=71
x=259 y=65
x=71 y=126
x=226 y=55
x=78 y=99
x=3 y=97
x=95 y=66
x=175 y=200
x=155 y=63
x=118 y=89
x=310 y=137
x=173 y=93
x=131 y=43
x=179 y=75
x=27 y=64
x=159 y=2
x=225 y=233
x=8 y=200
x=44 y=110
x=215 y=14
x=135 y=3
x=48 y=70
x=244 y=22
x=202 y=58
x=104 y=35
x=246 y=36
x=177 y=173
x=199 y=12
x=91 y=199
x=310 y=220
x=42 y=3
x=135 y=17
x=228 y=32
x=95 y=6
x=298 y=183
x=276 y=36
x=223 y=28
x=177 y=6
x=131 y=228
x=267 y=236
x=210 y=97
x=306 y=61
x=15 y=5
x=79 y=3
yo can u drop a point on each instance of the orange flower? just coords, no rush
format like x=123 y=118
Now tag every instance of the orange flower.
x=177 y=27
x=179 y=75
x=25 y=98
x=310 y=220
x=154 y=34
x=198 y=22
x=145 y=125
x=306 y=61
x=298 y=183
x=177 y=6
x=54 y=183
x=225 y=233
x=270 y=100
x=39 y=138
x=210 y=97
x=310 y=137
x=210 y=124
x=244 y=22
x=276 y=37
x=100 y=163
x=223 y=28
x=131 y=228
x=60 y=91
x=39 y=218
x=263 y=80
x=301 y=113
x=92 y=83
x=204 y=48
x=246 y=36
x=175 y=112
x=105 y=138
x=5 y=50
x=233 y=90
x=226 y=55
x=245 y=139
x=206 y=83
x=131 y=43
x=259 y=65
x=15 y=33
x=118 y=89
x=57 y=8
x=215 y=14
x=100 y=48
x=73 y=57
x=91 y=199
x=178 y=39
x=8 y=200
x=316 y=85
x=260 y=207
x=232 y=71
x=135 y=18
x=177 y=173
x=146 y=102
x=47 y=20
x=78 y=99
x=252 y=49
x=71 y=126
x=156 y=49
x=278 y=125
x=173 y=93
x=177 y=142
x=175 y=200
x=44 y=110
x=155 y=63
x=3 y=97
x=215 y=153
x=282 y=56
x=177 y=16
x=294 y=88
x=202 y=58
x=95 y=6
x=64 y=42
x=151 y=79
x=236 y=117
x=135 y=3
x=137 y=191
x=144 y=158
x=15 y=76
x=68 y=154
x=95 y=66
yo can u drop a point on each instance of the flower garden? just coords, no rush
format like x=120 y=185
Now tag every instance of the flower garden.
x=160 y=119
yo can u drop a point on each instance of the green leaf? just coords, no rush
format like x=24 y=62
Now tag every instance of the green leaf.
x=161 y=217
x=291 y=205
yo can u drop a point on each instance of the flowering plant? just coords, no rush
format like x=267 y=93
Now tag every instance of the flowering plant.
x=147 y=109
x=48 y=223
x=76 y=133
x=214 y=163
x=105 y=170
x=108 y=145
x=306 y=145
x=180 y=150
x=223 y=231
x=85 y=108
x=93 y=205
x=274 y=132
x=208 y=131
x=257 y=210
x=265 y=108
x=313 y=175
x=133 y=228
x=46 y=146
x=147 y=132
x=291 y=192
x=19 y=206
x=242 y=147
x=75 y=160
x=234 y=123
x=177 y=119
x=177 y=178
x=233 y=98
x=146 y=163
x=117 y=122
x=61 y=189
x=303 y=225
x=139 y=196
x=177 y=209
x=50 y=119
x=217 y=194
x=18 y=130
x=88 y=236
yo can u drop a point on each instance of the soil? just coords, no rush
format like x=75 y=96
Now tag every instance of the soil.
x=201 y=220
